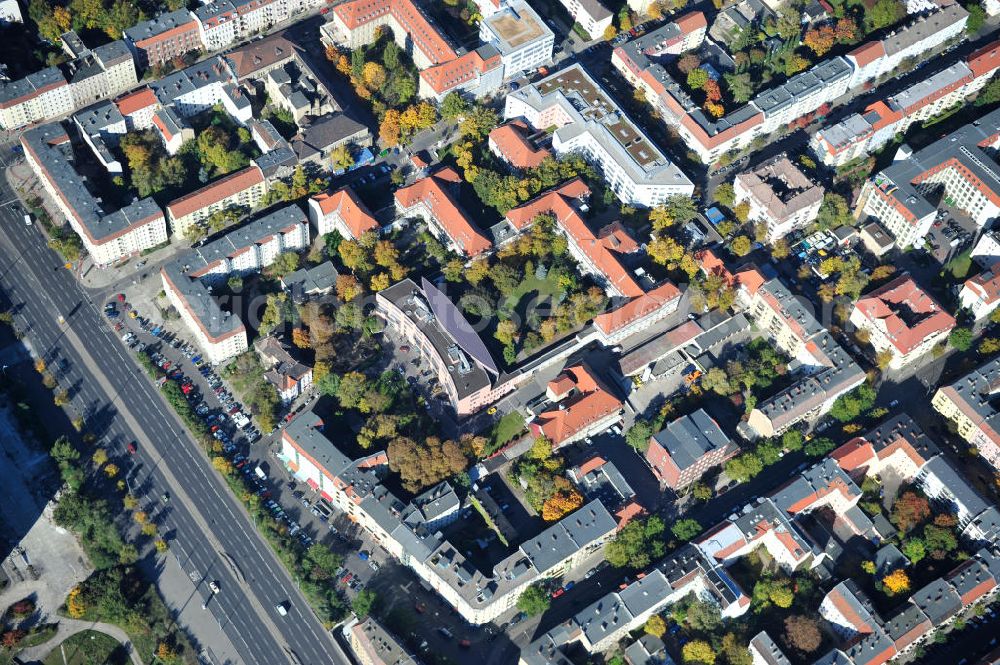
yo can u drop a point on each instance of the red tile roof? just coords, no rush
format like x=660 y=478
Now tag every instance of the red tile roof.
x=591 y=404
x=629 y=512
x=455 y=73
x=691 y=22
x=352 y=211
x=868 y=53
x=558 y=202
x=511 y=142
x=985 y=60
x=424 y=36
x=136 y=101
x=158 y=122
x=986 y=284
x=215 y=191
x=637 y=308
x=432 y=191
x=907 y=312
x=592 y=464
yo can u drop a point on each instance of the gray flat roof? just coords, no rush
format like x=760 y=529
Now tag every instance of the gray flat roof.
x=94 y=119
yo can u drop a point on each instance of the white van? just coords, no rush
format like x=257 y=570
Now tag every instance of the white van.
x=27 y=220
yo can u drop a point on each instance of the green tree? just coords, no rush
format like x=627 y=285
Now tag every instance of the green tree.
x=533 y=600
x=977 y=18
x=883 y=14
x=850 y=405
x=740 y=86
x=453 y=106
x=703 y=616
x=914 y=549
x=818 y=446
x=479 y=122
x=363 y=603
x=725 y=195
x=697 y=78
x=637 y=544
x=685 y=529
x=960 y=339
x=638 y=435
x=741 y=245
x=833 y=212
x=284 y=263
x=744 y=467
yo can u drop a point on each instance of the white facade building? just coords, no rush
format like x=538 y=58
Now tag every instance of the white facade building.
x=588 y=121
x=524 y=41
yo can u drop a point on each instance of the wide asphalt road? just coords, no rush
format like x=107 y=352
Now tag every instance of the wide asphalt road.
x=211 y=534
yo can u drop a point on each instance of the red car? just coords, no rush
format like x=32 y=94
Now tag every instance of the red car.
x=131 y=447
x=558 y=592
x=121 y=297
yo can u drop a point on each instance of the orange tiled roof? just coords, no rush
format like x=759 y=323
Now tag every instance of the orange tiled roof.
x=910 y=315
x=986 y=284
x=454 y=73
x=985 y=60
x=691 y=22
x=432 y=192
x=558 y=202
x=352 y=211
x=637 y=308
x=591 y=404
x=868 y=53
x=162 y=127
x=510 y=140
x=592 y=464
x=215 y=191
x=136 y=101
x=424 y=36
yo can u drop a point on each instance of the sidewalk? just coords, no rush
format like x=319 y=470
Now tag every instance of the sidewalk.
x=69 y=627
x=179 y=594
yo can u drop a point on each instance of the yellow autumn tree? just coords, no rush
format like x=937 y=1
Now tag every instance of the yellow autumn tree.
x=561 y=504
x=389 y=128
x=373 y=75
x=75 y=606
x=896 y=582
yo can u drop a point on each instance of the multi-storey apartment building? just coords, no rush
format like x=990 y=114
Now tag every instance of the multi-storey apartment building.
x=40 y=96
x=826 y=371
x=960 y=164
x=225 y=22
x=875 y=59
x=432 y=325
x=200 y=87
x=342 y=212
x=981 y=294
x=779 y=195
x=241 y=189
x=587 y=120
x=592 y=16
x=163 y=38
x=409 y=531
x=100 y=73
x=372 y=644
x=683 y=451
x=971 y=404
x=187 y=280
x=578 y=405
x=903 y=320
x=861 y=133
x=107 y=237
x=511 y=143
x=137 y=108
x=771 y=109
x=431 y=199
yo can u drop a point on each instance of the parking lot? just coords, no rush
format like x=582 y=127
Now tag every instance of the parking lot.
x=951 y=234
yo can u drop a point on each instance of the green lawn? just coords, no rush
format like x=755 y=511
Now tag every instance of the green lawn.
x=544 y=287
x=505 y=429
x=960 y=265
x=88 y=648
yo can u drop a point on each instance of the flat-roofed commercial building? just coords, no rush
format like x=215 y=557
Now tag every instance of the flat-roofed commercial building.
x=519 y=34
